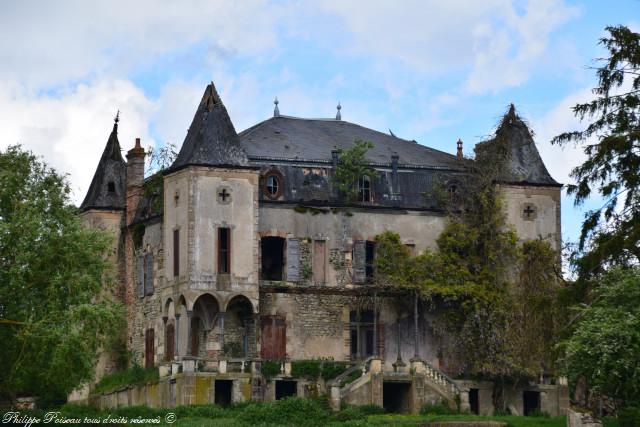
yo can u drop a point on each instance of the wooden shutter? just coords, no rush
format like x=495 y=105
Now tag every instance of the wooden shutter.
x=359 y=261
x=319 y=261
x=273 y=336
x=140 y=276
x=170 y=342
x=148 y=348
x=148 y=274
x=293 y=261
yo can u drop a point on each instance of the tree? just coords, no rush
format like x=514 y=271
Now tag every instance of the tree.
x=351 y=167
x=605 y=345
x=611 y=234
x=52 y=270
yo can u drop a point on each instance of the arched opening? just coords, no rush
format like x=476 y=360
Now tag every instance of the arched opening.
x=240 y=331
x=203 y=321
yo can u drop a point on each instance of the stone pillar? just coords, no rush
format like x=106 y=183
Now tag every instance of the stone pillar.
x=165 y=319
x=189 y=338
x=221 y=325
x=399 y=364
x=415 y=326
x=256 y=331
x=358 y=340
x=375 y=324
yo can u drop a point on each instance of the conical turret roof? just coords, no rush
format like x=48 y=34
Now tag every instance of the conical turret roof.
x=522 y=162
x=211 y=139
x=108 y=186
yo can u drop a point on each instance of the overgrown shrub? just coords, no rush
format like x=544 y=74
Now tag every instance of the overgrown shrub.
x=629 y=417
x=330 y=370
x=270 y=368
x=132 y=376
x=290 y=411
x=309 y=369
x=441 y=408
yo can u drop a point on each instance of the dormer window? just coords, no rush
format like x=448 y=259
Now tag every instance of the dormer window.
x=364 y=189
x=273 y=185
x=111 y=187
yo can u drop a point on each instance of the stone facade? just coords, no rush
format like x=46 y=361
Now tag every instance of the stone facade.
x=239 y=258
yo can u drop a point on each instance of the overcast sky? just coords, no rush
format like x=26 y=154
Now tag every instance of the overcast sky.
x=429 y=70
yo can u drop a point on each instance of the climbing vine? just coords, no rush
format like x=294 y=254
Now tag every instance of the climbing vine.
x=498 y=294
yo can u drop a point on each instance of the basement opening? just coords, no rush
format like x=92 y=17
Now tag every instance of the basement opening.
x=272 y=257
x=396 y=397
x=530 y=402
x=222 y=390
x=474 y=401
x=286 y=388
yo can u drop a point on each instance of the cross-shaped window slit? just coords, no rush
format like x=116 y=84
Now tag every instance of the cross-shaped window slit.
x=224 y=194
x=529 y=211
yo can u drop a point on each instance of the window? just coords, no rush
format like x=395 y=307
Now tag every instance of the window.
x=364 y=189
x=273 y=185
x=224 y=250
x=148 y=274
x=361 y=337
x=176 y=253
x=370 y=259
x=111 y=187
x=272 y=254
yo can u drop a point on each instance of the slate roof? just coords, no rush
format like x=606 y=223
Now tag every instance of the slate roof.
x=523 y=164
x=111 y=169
x=292 y=138
x=211 y=139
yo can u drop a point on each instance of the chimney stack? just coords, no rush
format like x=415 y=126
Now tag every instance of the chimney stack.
x=135 y=179
x=459 y=154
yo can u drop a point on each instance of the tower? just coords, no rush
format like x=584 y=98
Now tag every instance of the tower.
x=210 y=226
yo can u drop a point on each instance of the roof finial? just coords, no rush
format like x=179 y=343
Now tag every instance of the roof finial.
x=338 y=115
x=116 y=120
x=276 y=110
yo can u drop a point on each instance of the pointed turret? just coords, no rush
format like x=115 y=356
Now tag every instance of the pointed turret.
x=108 y=186
x=211 y=139
x=522 y=161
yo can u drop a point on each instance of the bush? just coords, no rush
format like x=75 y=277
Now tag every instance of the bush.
x=270 y=368
x=441 y=408
x=132 y=376
x=309 y=369
x=71 y=410
x=290 y=411
x=330 y=370
x=629 y=417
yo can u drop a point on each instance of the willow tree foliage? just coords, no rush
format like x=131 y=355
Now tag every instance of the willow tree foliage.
x=611 y=141
x=52 y=323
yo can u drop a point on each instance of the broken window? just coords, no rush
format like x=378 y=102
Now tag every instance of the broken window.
x=272 y=250
x=362 y=342
x=293 y=260
x=111 y=187
x=224 y=250
x=273 y=184
x=364 y=189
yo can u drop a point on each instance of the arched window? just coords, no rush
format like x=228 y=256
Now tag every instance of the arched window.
x=364 y=189
x=273 y=185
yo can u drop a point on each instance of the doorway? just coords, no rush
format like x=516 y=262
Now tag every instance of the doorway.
x=474 y=401
x=286 y=388
x=530 y=402
x=222 y=390
x=396 y=397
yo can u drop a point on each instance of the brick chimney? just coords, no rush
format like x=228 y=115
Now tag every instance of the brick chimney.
x=459 y=154
x=135 y=179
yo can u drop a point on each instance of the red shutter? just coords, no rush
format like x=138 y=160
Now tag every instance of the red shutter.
x=274 y=338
